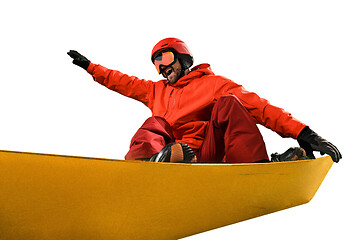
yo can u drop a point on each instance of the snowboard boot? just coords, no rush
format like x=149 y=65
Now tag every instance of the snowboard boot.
x=292 y=154
x=175 y=153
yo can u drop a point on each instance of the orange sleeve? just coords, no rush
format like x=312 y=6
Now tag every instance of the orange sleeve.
x=129 y=86
x=270 y=116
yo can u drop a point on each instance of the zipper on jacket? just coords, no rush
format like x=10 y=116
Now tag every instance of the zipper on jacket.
x=168 y=105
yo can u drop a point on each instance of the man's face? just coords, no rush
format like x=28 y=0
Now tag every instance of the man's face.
x=172 y=72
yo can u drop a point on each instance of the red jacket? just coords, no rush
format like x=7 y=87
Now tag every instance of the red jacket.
x=187 y=104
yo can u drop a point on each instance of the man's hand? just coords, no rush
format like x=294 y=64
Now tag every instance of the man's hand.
x=79 y=59
x=310 y=141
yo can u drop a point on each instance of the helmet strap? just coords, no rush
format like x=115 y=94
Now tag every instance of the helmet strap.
x=182 y=73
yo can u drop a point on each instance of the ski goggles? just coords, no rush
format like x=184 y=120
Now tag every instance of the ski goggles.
x=164 y=59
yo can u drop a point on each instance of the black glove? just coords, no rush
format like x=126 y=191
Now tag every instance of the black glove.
x=310 y=141
x=79 y=59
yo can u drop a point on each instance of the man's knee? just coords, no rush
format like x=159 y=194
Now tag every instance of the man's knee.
x=230 y=103
x=158 y=125
x=229 y=100
x=156 y=119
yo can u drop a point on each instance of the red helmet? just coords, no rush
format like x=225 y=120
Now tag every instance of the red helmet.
x=181 y=50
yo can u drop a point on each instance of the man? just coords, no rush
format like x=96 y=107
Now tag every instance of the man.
x=198 y=116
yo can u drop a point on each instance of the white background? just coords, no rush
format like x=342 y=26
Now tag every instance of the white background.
x=300 y=55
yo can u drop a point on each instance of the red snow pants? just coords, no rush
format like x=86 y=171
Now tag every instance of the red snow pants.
x=232 y=136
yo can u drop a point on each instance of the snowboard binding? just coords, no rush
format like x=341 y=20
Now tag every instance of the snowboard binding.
x=292 y=154
x=175 y=153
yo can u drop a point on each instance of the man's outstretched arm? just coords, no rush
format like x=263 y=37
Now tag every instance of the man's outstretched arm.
x=129 y=86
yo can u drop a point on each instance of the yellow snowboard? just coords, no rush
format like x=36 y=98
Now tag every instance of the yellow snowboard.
x=62 y=197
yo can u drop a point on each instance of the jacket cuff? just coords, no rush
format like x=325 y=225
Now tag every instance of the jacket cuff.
x=90 y=68
x=302 y=130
